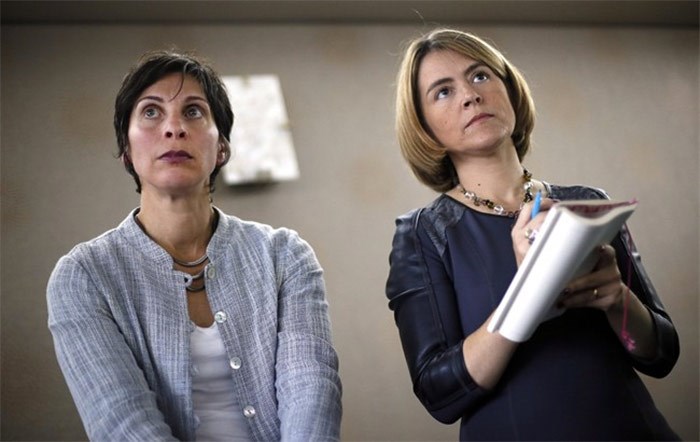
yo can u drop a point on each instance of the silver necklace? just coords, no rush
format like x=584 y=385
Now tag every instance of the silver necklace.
x=190 y=264
x=189 y=282
x=196 y=277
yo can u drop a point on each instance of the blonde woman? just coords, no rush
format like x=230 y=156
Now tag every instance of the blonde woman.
x=464 y=119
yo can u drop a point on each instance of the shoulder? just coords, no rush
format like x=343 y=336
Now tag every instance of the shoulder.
x=252 y=230
x=92 y=251
x=425 y=227
x=576 y=192
x=233 y=231
x=431 y=221
x=441 y=212
x=77 y=273
x=107 y=254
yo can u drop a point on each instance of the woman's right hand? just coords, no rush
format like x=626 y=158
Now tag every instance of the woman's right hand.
x=525 y=229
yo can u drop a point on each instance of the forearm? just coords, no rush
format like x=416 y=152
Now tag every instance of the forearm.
x=309 y=393
x=110 y=394
x=487 y=355
x=308 y=385
x=639 y=325
x=425 y=308
x=109 y=388
x=666 y=348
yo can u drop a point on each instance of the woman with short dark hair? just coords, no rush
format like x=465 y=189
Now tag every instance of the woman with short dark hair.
x=184 y=322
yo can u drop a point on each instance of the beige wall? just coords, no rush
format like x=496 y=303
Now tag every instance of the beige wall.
x=618 y=109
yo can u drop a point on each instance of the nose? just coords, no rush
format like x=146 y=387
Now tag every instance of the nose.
x=175 y=129
x=471 y=97
x=176 y=133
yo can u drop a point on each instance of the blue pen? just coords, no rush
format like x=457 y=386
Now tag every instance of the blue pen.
x=536 y=205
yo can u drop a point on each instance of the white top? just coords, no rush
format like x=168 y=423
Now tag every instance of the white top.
x=218 y=415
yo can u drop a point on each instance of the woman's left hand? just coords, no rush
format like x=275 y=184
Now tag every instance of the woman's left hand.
x=602 y=288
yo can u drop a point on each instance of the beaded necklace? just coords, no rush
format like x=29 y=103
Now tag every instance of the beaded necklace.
x=498 y=209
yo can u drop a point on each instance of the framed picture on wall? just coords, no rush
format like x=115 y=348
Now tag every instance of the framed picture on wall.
x=261 y=139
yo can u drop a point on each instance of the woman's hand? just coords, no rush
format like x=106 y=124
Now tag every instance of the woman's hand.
x=525 y=229
x=602 y=288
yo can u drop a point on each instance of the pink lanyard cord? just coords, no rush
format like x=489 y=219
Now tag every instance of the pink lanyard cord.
x=625 y=335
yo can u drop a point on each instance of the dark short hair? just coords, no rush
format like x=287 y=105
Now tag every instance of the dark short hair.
x=151 y=67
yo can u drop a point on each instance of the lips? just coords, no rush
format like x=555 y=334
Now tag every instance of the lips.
x=175 y=155
x=479 y=117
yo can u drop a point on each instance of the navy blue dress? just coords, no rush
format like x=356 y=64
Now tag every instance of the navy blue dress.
x=572 y=380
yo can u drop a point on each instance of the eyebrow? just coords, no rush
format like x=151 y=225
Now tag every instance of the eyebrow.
x=472 y=67
x=161 y=100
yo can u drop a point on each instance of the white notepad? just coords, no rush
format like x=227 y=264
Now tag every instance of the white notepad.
x=564 y=249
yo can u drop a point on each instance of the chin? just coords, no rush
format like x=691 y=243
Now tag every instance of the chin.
x=180 y=186
x=491 y=141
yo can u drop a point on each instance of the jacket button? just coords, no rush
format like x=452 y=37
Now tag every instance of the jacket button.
x=211 y=271
x=220 y=317
x=249 y=411
x=235 y=363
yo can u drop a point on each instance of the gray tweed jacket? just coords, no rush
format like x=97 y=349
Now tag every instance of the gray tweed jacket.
x=118 y=315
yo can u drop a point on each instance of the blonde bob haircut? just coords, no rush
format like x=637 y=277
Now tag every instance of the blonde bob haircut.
x=424 y=154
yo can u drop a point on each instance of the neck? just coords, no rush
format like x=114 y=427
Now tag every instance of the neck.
x=181 y=226
x=499 y=178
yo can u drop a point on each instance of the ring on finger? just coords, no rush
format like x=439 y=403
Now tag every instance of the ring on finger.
x=595 y=293
x=530 y=234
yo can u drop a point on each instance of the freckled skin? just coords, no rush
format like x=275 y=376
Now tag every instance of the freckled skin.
x=455 y=89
